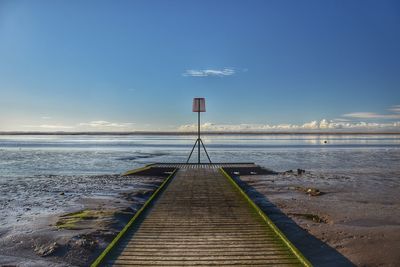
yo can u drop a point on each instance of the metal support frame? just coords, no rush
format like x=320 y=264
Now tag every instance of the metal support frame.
x=198 y=142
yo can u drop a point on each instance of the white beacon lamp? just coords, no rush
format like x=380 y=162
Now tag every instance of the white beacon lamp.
x=199 y=105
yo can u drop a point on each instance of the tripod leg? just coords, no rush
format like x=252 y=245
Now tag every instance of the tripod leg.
x=205 y=150
x=191 y=152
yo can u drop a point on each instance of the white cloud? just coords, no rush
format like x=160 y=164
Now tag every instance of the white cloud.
x=371 y=115
x=309 y=126
x=45 y=117
x=395 y=108
x=98 y=125
x=341 y=120
x=50 y=126
x=210 y=72
x=106 y=124
x=394 y=115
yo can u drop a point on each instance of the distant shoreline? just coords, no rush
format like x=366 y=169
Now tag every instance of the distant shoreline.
x=195 y=133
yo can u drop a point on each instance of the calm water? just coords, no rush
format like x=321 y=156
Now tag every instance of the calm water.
x=109 y=154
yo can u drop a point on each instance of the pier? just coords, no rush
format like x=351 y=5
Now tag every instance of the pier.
x=200 y=217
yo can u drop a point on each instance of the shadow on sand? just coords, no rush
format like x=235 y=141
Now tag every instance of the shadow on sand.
x=316 y=251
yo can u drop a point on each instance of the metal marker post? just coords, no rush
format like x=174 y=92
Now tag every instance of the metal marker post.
x=198 y=130
x=199 y=105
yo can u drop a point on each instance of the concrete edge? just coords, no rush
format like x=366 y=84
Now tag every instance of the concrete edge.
x=268 y=221
x=131 y=222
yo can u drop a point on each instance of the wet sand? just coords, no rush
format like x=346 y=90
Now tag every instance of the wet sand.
x=69 y=220
x=353 y=221
x=68 y=224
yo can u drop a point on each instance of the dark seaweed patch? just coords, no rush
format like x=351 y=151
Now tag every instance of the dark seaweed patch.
x=142 y=156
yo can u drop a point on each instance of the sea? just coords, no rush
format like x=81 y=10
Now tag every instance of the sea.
x=22 y=155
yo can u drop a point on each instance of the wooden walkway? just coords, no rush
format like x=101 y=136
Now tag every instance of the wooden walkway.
x=202 y=219
x=203 y=165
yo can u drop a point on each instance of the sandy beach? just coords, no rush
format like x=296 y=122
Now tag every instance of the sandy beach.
x=348 y=221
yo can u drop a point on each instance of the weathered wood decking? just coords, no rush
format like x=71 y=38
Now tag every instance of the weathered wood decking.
x=201 y=219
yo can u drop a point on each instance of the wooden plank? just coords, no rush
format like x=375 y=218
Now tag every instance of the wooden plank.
x=201 y=219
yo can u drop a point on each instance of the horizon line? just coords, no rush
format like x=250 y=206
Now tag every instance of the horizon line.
x=193 y=132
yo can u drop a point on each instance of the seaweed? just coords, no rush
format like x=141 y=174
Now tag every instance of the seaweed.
x=309 y=216
x=71 y=220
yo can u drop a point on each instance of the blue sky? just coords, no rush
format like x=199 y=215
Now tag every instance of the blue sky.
x=262 y=65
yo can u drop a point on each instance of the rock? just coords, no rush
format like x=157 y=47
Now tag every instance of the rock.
x=62 y=193
x=46 y=250
x=85 y=241
x=309 y=216
x=309 y=191
x=313 y=192
x=300 y=171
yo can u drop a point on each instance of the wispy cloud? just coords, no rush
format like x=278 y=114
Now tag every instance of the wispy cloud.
x=57 y=126
x=50 y=127
x=106 y=124
x=394 y=115
x=99 y=125
x=371 y=115
x=210 y=72
x=312 y=125
x=395 y=109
